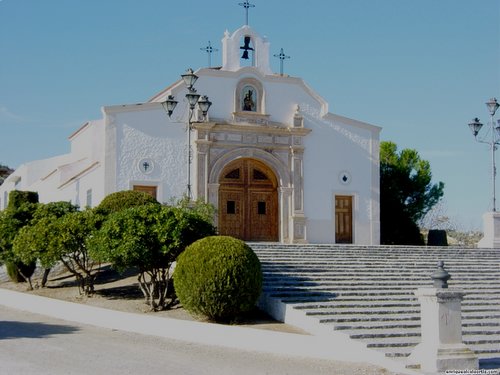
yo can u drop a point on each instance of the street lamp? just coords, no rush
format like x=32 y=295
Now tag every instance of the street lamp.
x=193 y=99
x=475 y=126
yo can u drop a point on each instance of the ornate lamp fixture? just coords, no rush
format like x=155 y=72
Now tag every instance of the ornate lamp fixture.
x=193 y=99
x=475 y=126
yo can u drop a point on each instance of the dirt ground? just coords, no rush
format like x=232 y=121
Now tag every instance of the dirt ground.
x=121 y=292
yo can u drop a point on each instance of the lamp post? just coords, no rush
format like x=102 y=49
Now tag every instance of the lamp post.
x=475 y=126
x=193 y=99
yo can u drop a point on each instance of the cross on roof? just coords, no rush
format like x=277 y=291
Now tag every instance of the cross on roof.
x=209 y=50
x=282 y=57
x=246 y=5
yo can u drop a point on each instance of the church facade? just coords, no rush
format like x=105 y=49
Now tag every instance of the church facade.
x=268 y=155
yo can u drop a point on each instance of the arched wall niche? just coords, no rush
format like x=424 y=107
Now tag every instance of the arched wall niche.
x=253 y=87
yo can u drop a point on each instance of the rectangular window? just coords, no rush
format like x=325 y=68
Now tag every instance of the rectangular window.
x=231 y=207
x=261 y=208
x=89 y=198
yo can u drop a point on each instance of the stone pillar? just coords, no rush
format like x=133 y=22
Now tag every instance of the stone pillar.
x=284 y=194
x=491 y=228
x=441 y=347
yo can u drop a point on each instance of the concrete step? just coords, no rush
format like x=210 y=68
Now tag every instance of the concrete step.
x=363 y=311
x=369 y=318
x=376 y=333
x=376 y=326
x=368 y=292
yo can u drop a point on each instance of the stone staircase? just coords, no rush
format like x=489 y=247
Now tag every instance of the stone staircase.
x=367 y=292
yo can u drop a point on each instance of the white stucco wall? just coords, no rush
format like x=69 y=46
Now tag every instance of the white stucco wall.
x=144 y=132
x=66 y=177
x=31 y=176
x=281 y=94
x=333 y=148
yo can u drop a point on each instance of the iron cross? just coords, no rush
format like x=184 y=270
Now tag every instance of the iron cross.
x=282 y=57
x=209 y=50
x=246 y=5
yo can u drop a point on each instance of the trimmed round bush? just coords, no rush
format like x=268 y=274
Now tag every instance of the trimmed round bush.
x=218 y=277
x=122 y=200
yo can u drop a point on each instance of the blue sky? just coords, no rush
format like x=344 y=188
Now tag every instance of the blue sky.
x=419 y=69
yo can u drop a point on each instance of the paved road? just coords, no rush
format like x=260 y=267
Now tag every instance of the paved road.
x=36 y=344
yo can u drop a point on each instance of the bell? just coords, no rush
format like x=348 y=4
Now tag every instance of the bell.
x=246 y=47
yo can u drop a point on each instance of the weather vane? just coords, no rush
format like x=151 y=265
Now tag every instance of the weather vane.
x=282 y=57
x=246 y=5
x=209 y=50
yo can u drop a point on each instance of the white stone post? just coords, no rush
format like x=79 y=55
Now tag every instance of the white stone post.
x=491 y=226
x=441 y=347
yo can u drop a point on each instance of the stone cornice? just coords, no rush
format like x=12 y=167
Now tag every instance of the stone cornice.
x=131 y=107
x=254 y=129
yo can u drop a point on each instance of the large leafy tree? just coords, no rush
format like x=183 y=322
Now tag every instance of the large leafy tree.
x=149 y=238
x=19 y=213
x=69 y=245
x=406 y=194
x=58 y=233
x=32 y=240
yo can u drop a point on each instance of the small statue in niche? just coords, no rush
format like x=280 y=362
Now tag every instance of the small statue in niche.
x=248 y=102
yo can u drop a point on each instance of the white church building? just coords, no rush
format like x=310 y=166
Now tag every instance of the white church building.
x=268 y=155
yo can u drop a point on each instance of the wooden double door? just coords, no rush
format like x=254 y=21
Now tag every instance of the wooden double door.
x=248 y=201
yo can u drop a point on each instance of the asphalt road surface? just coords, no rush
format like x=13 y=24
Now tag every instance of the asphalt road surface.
x=36 y=344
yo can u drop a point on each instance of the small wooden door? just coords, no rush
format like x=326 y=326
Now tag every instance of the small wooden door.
x=248 y=201
x=343 y=219
x=263 y=215
x=151 y=190
x=232 y=213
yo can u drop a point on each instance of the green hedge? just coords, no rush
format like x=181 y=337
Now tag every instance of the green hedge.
x=218 y=277
x=17 y=198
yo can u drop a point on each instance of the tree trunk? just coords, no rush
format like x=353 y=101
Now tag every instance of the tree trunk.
x=45 y=277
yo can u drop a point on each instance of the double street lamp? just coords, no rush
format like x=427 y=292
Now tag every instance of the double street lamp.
x=193 y=99
x=475 y=126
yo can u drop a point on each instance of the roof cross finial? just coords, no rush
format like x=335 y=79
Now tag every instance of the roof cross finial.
x=282 y=57
x=209 y=50
x=246 y=5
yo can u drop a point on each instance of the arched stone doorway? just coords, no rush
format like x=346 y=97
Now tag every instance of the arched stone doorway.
x=248 y=201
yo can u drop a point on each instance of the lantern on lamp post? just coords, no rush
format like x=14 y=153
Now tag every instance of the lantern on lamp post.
x=193 y=99
x=493 y=140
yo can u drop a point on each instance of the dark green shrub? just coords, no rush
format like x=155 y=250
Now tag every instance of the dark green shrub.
x=20 y=272
x=19 y=213
x=218 y=277
x=122 y=200
x=17 y=198
x=437 y=237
